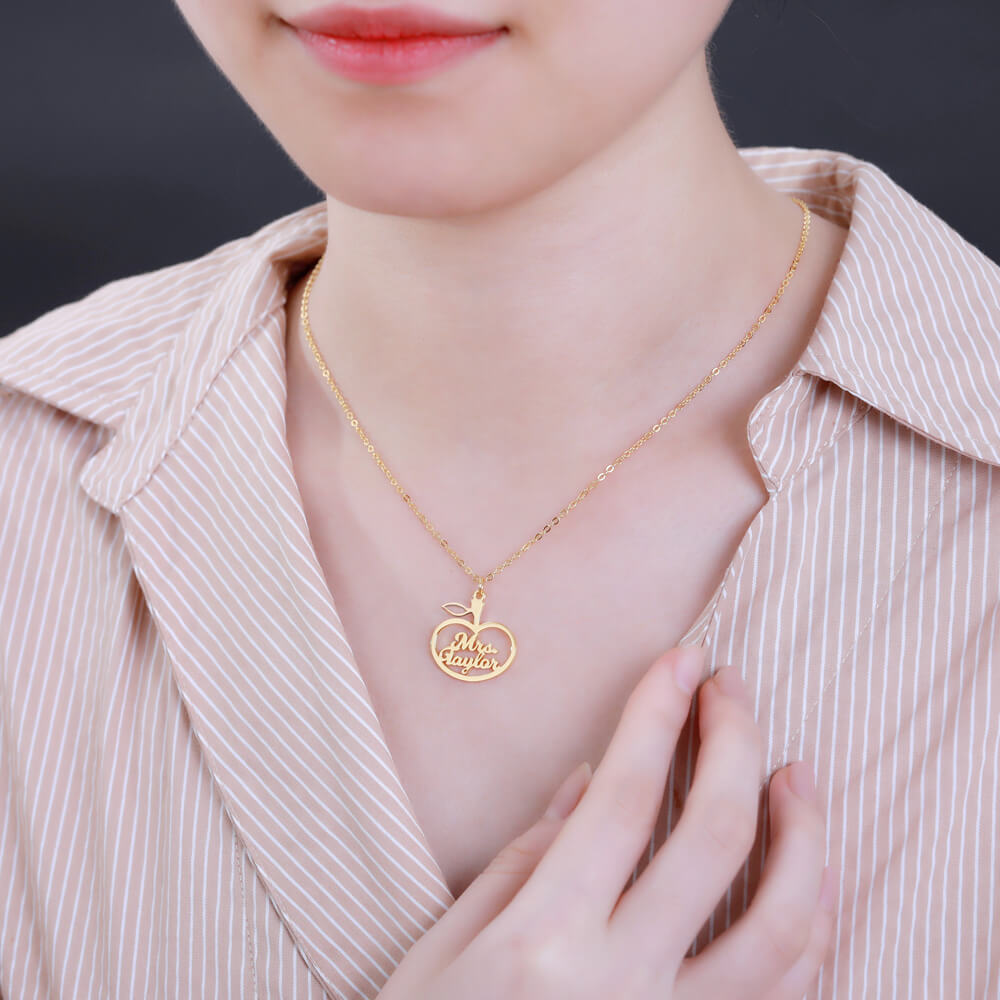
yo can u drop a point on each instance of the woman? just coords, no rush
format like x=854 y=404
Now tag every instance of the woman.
x=233 y=762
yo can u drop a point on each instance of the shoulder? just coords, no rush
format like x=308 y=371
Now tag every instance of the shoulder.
x=113 y=363
x=911 y=320
x=67 y=377
x=88 y=357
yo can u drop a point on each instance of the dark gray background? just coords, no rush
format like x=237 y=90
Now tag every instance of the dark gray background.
x=123 y=149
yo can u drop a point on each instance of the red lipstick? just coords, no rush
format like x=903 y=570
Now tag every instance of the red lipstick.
x=388 y=45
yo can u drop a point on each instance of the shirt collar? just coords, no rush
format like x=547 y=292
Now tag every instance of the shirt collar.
x=911 y=322
x=910 y=325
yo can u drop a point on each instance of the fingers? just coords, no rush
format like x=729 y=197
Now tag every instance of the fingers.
x=597 y=849
x=773 y=950
x=716 y=830
x=498 y=883
x=798 y=980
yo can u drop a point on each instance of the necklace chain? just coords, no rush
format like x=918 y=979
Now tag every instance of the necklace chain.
x=599 y=478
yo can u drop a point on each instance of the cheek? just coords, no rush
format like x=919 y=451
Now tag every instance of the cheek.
x=615 y=54
x=232 y=32
x=582 y=72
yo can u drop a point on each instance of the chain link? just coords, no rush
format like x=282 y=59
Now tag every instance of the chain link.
x=601 y=476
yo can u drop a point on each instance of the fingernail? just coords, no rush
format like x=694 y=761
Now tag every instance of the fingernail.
x=688 y=665
x=569 y=793
x=828 y=889
x=800 y=778
x=731 y=683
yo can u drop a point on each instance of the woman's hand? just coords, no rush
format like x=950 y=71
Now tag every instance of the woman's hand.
x=548 y=919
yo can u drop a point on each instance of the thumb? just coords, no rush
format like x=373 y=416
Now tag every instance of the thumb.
x=503 y=877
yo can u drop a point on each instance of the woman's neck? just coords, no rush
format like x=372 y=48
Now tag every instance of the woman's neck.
x=560 y=327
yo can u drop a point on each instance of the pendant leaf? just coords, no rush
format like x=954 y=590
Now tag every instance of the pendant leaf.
x=457 y=609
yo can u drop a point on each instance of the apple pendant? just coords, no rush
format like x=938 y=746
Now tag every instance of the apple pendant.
x=466 y=653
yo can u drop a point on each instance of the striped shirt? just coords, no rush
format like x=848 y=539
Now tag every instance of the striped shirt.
x=196 y=798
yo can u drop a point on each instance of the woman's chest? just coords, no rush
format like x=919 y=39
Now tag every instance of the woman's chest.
x=590 y=608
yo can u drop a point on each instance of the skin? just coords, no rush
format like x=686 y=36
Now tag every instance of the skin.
x=565 y=203
x=552 y=221
x=548 y=918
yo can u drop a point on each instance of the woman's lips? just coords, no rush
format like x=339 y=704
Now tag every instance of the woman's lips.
x=400 y=60
x=344 y=21
x=390 y=44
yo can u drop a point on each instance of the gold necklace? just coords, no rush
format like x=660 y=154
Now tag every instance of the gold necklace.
x=457 y=644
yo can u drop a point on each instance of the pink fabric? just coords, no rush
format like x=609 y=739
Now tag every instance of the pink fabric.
x=195 y=795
